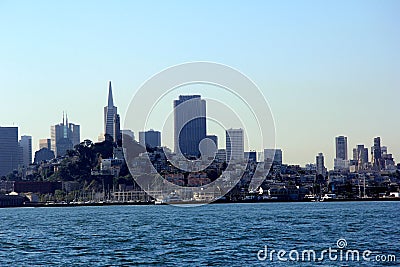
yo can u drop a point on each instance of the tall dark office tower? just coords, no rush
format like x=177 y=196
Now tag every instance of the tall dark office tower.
x=111 y=117
x=341 y=147
x=320 y=163
x=189 y=124
x=9 y=156
x=377 y=153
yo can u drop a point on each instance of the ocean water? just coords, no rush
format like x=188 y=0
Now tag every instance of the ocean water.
x=210 y=235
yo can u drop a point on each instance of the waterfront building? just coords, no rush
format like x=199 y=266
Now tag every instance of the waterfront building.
x=189 y=124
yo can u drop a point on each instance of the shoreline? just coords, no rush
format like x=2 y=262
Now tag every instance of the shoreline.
x=60 y=205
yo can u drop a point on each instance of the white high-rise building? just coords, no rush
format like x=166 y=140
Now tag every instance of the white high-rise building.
x=234 y=144
x=26 y=144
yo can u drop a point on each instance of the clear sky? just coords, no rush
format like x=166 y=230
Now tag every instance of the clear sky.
x=327 y=68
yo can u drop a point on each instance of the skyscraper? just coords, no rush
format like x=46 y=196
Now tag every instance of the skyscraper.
x=320 y=162
x=189 y=124
x=75 y=133
x=8 y=149
x=150 y=138
x=26 y=144
x=341 y=147
x=111 y=117
x=234 y=144
x=64 y=136
x=341 y=161
x=377 y=154
x=360 y=155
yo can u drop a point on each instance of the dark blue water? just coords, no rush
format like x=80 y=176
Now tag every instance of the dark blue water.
x=210 y=235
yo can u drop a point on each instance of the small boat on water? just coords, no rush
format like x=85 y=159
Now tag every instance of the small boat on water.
x=328 y=197
x=312 y=198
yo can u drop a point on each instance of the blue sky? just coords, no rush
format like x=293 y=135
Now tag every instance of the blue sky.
x=326 y=67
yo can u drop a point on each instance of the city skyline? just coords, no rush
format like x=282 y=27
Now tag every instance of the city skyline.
x=335 y=73
x=341 y=149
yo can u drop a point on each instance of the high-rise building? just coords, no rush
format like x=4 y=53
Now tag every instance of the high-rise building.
x=189 y=124
x=64 y=137
x=75 y=134
x=341 y=147
x=117 y=128
x=150 y=138
x=45 y=143
x=26 y=144
x=377 y=154
x=234 y=144
x=8 y=150
x=360 y=156
x=341 y=161
x=320 y=162
x=111 y=117
x=273 y=155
